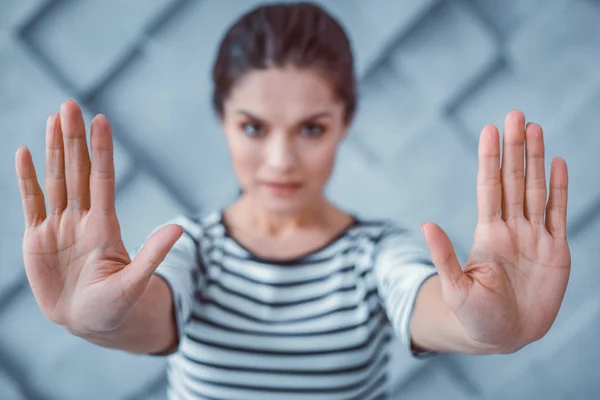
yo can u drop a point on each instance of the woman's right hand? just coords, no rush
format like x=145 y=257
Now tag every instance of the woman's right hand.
x=76 y=263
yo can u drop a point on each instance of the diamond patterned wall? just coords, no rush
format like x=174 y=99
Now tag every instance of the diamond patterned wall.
x=432 y=74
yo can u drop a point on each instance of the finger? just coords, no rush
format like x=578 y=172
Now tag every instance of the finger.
x=136 y=275
x=77 y=159
x=489 y=186
x=556 y=210
x=535 y=177
x=102 y=184
x=32 y=196
x=443 y=255
x=513 y=165
x=56 y=188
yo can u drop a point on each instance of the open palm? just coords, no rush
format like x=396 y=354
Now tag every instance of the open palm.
x=76 y=263
x=510 y=290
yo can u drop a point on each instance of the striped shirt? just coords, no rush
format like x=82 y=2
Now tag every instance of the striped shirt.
x=320 y=326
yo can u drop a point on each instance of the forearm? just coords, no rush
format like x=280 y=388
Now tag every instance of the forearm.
x=148 y=328
x=434 y=326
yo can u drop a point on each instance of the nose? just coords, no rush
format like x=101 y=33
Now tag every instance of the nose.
x=281 y=154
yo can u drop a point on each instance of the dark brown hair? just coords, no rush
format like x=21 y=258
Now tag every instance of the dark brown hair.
x=277 y=35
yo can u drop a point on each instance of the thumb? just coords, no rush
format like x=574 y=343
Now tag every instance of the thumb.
x=136 y=275
x=444 y=258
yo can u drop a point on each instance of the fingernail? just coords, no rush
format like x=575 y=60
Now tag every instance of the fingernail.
x=423 y=229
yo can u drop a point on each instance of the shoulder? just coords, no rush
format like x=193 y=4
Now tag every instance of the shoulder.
x=205 y=221
x=196 y=226
x=392 y=239
x=382 y=230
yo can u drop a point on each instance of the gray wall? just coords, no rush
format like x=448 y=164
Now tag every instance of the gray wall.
x=432 y=73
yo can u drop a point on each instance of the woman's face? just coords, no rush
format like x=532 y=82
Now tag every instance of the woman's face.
x=283 y=126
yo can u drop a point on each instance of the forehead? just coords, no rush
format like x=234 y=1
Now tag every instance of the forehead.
x=283 y=93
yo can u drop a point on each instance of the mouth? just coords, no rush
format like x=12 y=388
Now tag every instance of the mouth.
x=282 y=188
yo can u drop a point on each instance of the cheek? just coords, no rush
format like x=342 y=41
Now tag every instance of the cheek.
x=320 y=163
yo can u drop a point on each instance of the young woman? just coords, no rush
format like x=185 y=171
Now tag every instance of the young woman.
x=281 y=294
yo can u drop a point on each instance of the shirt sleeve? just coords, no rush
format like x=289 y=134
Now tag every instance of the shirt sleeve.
x=402 y=264
x=182 y=271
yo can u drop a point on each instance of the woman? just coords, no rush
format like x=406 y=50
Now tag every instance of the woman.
x=282 y=294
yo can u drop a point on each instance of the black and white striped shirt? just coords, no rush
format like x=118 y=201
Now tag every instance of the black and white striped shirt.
x=316 y=327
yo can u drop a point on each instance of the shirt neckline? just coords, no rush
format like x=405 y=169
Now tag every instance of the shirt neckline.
x=288 y=260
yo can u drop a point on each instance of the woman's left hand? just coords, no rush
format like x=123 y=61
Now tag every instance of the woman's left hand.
x=512 y=286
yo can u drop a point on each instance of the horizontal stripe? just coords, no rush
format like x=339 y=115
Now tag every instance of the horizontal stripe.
x=278 y=344
x=339 y=319
x=261 y=380
x=264 y=297
x=269 y=317
x=297 y=311
x=231 y=392
x=374 y=315
x=245 y=348
x=296 y=372
x=282 y=277
x=207 y=353
x=273 y=295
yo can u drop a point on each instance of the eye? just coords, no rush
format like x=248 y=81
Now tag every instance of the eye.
x=253 y=129
x=312 y=130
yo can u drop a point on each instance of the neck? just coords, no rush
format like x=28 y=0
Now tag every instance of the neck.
x=272 y=223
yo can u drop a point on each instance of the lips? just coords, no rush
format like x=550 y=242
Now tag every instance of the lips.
x=283 y=188
x=283 y=184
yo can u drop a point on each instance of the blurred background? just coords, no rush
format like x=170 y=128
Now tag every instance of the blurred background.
x=432 y=74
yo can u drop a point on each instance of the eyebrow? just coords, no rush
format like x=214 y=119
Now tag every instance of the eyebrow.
x=303 y=120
